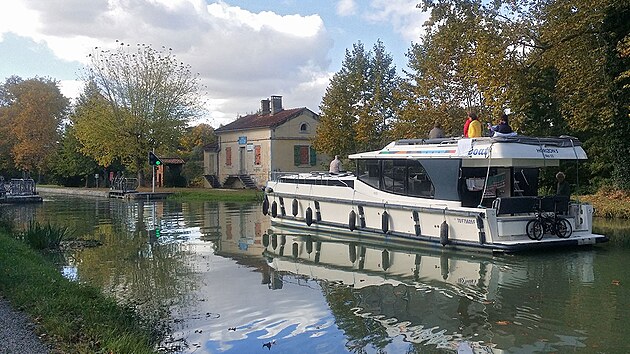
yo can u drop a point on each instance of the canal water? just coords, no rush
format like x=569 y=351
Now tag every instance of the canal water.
x=222 y=280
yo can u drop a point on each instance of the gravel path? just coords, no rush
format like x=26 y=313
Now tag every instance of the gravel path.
x=17 y=332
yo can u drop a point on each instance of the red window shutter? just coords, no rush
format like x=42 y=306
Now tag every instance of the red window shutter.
x=257 y=155
x=304 y=155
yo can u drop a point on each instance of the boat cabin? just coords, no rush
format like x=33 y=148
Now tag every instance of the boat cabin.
x=476 y=172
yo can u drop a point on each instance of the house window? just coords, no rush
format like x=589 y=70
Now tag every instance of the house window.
x=228 y=156
x=303 y=128
x=257 y=155
x=304 y=155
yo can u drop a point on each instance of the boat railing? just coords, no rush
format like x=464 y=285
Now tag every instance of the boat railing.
x=531 y=204
x=125 y=184
x=560 y=141
x=451 y=140
x=18 y=187
x=275 y=176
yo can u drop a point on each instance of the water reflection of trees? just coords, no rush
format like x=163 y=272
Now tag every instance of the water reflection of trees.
x=617 y=230
x=361 y=332
x=151 y=277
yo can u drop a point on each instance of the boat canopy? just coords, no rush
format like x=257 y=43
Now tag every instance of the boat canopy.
x=521 y=151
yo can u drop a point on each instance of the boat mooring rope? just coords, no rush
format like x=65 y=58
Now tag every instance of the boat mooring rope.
x=485 y=184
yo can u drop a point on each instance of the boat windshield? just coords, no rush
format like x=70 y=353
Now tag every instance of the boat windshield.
x=405 y=177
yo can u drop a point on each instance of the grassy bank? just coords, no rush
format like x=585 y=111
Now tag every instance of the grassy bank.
x=610 y=203
x=75 y=318
x=210 y=194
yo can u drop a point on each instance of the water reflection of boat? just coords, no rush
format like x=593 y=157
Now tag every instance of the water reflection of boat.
x=426 y=296
x=362 y=264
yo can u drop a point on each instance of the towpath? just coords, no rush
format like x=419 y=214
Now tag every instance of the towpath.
x=17 y=332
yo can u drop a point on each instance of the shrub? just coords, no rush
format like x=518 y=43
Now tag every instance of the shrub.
x=44 y=237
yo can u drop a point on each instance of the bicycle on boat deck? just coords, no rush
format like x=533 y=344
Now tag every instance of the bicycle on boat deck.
x=547 y=222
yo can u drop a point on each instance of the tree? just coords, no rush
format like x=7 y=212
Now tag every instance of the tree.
x=423 y=100
x=381 y=103
x=197 y=136
x=70 y=165
x=468 y=59
x=138 y=100
x=583 y=43
x=561 y=67
x=359 y=103
x=191 y=149
x=32 y=112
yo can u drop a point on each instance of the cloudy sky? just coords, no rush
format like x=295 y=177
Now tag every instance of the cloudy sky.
x=244 y=50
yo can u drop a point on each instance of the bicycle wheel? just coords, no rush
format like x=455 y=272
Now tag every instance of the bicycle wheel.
x=563 y=228
x=534 y=229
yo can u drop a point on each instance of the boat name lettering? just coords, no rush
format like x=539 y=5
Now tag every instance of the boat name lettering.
x=464 y=281
x=465 y=221
x=478 y=152
x=547 y=150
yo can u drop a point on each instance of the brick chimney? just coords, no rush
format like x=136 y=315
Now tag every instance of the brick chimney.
x=276 y=104
x=264 y=107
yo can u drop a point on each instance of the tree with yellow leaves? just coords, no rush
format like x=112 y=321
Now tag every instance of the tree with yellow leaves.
x=31 y=113
x=139 y=99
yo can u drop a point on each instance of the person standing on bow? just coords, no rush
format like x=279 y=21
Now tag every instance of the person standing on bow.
x=467 y=123
x=474 y=128
x=437 y=131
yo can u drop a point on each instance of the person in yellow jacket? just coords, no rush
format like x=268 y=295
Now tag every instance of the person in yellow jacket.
x=474 y=129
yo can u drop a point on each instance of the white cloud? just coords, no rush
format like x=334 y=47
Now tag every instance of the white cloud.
x=16 y=17
x=71 y=88
x=403 y=16
x=346 y=7
x=242 y=57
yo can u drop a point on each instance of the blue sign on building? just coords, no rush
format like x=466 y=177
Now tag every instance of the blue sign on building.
x=242 y=140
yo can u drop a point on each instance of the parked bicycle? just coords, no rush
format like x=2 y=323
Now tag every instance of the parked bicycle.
x=548 y=223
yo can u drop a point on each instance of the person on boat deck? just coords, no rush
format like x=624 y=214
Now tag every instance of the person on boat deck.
x=503 y=128
x=563 y=188
x=474 y=129
x=335 y=165
x=437 y=131
x=467 y=123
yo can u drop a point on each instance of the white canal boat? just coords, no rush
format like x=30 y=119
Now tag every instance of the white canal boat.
x=479 y=193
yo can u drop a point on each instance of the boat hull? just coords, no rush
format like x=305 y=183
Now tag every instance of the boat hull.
x=355 y=210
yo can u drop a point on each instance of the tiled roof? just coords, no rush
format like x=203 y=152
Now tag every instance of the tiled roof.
x=212 y=146
x=262 y=121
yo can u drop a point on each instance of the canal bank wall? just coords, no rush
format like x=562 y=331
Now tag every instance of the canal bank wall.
x=74 y=191
x=104 y=193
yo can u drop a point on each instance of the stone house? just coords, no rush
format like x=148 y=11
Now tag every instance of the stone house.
x=252 y=148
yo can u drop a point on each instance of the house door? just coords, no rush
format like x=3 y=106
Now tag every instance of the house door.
x=241 y=161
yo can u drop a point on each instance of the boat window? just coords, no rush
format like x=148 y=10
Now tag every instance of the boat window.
x=525 y=181
x=405 y=177
x=419 y=182
x=394 y=176
x=369 y=172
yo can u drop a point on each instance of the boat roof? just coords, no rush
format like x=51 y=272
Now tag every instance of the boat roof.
x=516 y=150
